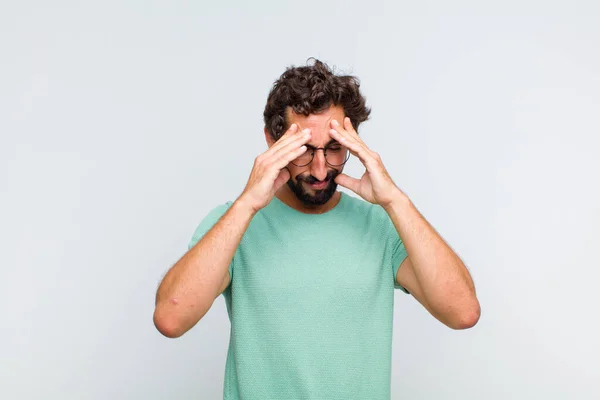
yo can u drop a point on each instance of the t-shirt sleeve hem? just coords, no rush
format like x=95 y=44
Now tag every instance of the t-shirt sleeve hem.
x=206 y=224
x=398 y=260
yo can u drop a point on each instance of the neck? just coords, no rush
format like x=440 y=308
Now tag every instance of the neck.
x=286 y=196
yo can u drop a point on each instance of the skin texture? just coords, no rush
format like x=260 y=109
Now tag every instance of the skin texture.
x=433 y=273
x=190 y=287
x=319 y=125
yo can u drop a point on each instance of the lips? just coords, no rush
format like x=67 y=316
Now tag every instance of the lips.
x=319 y=185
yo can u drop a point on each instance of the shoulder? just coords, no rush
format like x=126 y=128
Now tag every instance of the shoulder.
x=208 y=221
x=215 y=213
x=220 y=208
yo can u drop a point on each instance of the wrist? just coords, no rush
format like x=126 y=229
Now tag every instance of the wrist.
x=399 y=202
x=242 y=205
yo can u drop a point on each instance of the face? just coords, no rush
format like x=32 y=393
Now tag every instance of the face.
x=314 y=183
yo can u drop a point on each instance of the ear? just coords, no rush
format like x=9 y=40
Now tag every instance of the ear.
x=268 y=138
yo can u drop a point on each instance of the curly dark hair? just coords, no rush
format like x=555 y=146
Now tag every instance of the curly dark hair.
x=310 y=90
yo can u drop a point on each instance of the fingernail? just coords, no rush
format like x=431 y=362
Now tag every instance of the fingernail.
x=307 y=130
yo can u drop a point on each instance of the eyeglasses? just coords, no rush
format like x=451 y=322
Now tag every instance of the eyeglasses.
x=335 y=155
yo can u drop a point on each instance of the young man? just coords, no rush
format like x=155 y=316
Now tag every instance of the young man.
x=308 y=273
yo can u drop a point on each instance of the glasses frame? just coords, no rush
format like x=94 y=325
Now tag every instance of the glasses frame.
x=314 y=150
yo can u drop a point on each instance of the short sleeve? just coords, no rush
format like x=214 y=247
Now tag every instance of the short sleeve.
x=398 y=252
x=398 y=256
x=206 y=225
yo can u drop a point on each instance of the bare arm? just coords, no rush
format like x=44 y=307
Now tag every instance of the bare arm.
x=433 y=272
x=191 y=286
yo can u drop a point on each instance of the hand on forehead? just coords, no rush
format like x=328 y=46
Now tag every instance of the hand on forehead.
x=319 y=124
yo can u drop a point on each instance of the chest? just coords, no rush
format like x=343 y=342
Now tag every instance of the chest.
x=345 y=258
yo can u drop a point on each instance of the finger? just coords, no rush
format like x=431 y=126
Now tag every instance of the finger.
x=348 y=182
x=278 y=146
x=282 y=178
x=287 y=137
x=347 y=129
x=350 y=129
x=291 y=130
x=342 y=131
x=356 y=149
x=297 y=141
x=286 y=157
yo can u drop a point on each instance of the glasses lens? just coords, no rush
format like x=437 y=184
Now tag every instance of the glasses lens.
x=337 y=155
x=304 y=159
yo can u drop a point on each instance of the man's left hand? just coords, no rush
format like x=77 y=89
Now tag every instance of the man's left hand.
x=376 y=185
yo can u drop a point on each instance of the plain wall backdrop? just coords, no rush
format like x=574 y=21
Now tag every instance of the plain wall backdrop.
x=124 y=122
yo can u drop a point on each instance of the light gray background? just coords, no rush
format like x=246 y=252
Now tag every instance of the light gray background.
x=124 y=122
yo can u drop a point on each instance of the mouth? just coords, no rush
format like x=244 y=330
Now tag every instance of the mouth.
x=319 y=185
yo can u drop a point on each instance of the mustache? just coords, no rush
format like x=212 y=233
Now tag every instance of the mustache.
x=311 y=179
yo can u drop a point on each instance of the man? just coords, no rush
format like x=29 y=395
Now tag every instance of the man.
x=308 y=273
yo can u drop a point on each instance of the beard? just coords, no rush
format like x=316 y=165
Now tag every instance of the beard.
x=314 y=197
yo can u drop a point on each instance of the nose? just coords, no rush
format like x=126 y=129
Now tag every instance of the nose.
x=318 y=167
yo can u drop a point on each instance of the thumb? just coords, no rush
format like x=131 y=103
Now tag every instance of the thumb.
x=283 y=176
x=347 y=182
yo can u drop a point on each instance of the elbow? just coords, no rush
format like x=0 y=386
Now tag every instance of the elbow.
x=167 y=325
x=173 y=319
x=467 y=318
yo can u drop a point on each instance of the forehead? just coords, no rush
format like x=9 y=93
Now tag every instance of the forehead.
x=319 y=124
x=318 y=121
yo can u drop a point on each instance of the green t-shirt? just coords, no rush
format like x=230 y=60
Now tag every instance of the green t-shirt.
x=311 y=303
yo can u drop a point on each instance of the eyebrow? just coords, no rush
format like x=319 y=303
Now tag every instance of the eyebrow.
x=332 y=141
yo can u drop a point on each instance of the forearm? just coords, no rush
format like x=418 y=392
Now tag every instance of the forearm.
x=190 y=287
x=443 y=278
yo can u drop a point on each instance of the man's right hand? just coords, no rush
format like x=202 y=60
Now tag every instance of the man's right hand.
x=269 y=172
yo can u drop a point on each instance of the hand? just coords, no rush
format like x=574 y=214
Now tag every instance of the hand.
x=269 y=172
x=376 y=185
